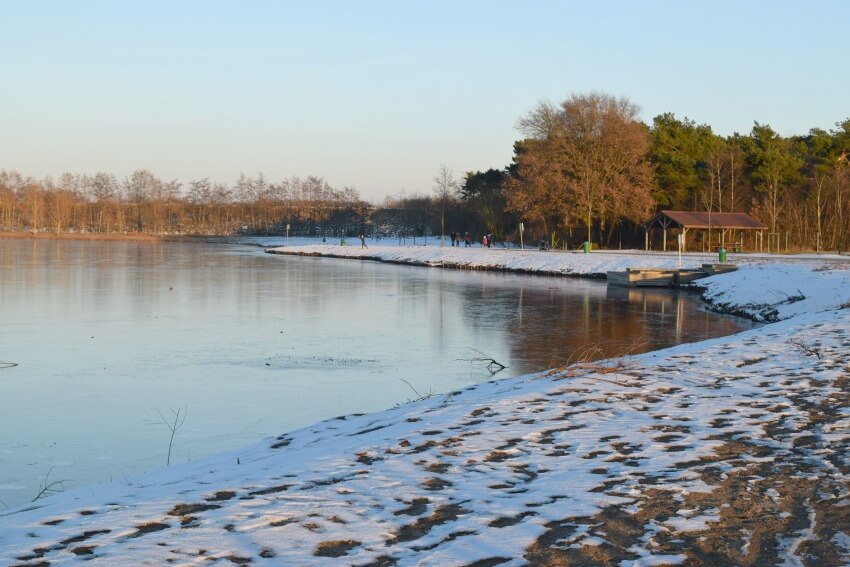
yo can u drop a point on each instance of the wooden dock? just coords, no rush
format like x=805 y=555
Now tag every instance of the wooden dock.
x=719 y=268
x=642 y=277
x=659 y=277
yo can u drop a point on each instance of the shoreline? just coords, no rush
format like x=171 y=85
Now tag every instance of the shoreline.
x=424 y=264
x=102 y=236
x=548 y=262
x=732 y=450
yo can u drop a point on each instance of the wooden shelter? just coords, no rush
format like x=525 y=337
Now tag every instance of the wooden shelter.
x=708 y=221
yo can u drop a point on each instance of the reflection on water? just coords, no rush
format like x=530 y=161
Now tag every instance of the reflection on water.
x=547 y=321
x=252 y=345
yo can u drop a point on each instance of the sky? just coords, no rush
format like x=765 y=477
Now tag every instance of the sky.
x=378 y=94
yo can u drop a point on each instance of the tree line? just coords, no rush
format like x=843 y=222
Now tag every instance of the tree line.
x=589 y=166
x=144 y=203
x=586 y=169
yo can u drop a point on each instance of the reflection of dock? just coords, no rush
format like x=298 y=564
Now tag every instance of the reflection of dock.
x=659 y=277
x=666 y=306
x=645 y=296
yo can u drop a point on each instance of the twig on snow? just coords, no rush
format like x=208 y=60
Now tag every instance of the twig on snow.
x=805 y=348
x=419 y=397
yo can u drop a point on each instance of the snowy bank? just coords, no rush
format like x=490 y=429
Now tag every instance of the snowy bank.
x=594 y=264
x=730 y=451
x=526 y=261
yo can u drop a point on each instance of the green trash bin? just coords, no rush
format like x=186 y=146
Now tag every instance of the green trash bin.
x=585 y=246
x=721 y=255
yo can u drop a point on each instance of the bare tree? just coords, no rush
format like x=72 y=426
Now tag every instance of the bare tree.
x=174 y=425
x=445 y=187
x=33 y=204
x=103 y=187
x=586 y=157
x=774 y=168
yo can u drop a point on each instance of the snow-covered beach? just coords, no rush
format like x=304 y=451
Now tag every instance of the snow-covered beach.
x=729 y=451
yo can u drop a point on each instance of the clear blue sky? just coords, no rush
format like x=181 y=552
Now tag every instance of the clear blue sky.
x=377 y=94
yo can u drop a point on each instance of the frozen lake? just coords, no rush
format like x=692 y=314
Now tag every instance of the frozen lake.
x=107 y=334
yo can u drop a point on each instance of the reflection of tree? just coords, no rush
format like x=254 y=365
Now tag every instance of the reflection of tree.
x=543 y=327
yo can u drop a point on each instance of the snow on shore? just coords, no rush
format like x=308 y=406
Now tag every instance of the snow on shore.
x=558 y=263
x=734 y=450
x=549 y=262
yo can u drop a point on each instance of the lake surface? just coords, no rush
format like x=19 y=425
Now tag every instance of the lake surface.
x=108 y=335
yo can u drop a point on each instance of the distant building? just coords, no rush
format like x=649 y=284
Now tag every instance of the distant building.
x=722 y=223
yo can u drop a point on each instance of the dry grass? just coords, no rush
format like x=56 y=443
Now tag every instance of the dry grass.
x=591 y=359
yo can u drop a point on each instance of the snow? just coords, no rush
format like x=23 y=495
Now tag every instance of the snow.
x=493 y=472
x=843 y=541
x=691 y=524
x=652 y=560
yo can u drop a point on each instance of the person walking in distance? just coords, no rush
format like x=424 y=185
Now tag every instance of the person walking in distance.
x=363 y=241
x=467 y=240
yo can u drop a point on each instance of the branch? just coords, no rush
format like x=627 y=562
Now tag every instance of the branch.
x=493 y=365
x=48 y=488
x=419 y=397
x=788 y=298
x=409 y=385
x=805 y=348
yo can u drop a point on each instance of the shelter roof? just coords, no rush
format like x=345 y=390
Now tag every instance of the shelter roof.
x=703 y=219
